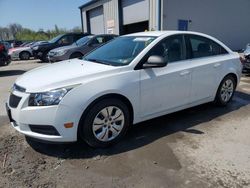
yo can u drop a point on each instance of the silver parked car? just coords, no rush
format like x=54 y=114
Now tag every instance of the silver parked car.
x=23 y=52
x=79 y=48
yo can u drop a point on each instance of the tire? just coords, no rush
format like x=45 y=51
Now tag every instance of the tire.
x=225 y=91
x=75 y=55
x=112 y=120
x=44 y=57
x=24 y=56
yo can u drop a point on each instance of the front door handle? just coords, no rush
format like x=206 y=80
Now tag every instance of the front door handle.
x=217 y=65
x=185 y=73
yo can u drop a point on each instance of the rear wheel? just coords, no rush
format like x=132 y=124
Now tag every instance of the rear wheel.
x=24 y=56
x=105 y=123
x=226 y=91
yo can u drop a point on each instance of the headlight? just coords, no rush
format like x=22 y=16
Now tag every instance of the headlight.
x=49 y=98
x=60 y=52
x=35 y=48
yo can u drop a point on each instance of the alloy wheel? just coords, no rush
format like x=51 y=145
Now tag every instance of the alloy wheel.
x=108 y=123
x=227 y=90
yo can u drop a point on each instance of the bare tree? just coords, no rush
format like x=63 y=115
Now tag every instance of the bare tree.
x=5 y=33
x=15 y=28
x=77 y=29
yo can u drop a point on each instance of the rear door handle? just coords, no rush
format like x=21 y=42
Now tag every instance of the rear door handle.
x=217 y=65
x=185 y=73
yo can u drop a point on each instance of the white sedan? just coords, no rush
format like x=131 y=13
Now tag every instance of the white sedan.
x=131 y=79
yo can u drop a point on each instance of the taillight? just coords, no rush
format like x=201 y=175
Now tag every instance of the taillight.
x=1 y=48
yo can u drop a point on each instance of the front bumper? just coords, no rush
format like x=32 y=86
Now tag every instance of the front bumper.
x=14 y=55
x=26 y=119
x=55 y=58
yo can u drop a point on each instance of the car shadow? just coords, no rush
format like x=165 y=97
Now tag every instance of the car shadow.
x=11 y=72
x=41 y=62
x=147 y=132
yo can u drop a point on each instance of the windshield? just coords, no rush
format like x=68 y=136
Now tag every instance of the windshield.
x=121 y=51
x=55 y=39
x=83 y=41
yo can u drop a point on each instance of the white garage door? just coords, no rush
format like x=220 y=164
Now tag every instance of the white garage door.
x=135 y=11
x=96 y=20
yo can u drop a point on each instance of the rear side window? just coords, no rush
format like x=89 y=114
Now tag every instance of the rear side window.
x=198 y=46
x=108 y=38
x=67 y=39
x=78 y=36
x=98 y=40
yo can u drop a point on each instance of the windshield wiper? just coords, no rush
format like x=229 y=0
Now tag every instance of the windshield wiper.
x=99 y=61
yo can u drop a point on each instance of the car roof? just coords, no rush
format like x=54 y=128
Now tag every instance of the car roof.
x=164 y=33
x=173 y=32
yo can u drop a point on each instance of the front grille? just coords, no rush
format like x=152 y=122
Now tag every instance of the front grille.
x=19 y=88
x=247 y=65
x=14 y=101
x=44 y=129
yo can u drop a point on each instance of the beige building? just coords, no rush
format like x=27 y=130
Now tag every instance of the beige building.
x=227 y=20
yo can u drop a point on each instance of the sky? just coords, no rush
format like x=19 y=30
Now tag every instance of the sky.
x=41 y=14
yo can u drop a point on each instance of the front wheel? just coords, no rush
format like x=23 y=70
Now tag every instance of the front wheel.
x=24 y=55
x=45 y=57
x=225 y=91
x=105 y=123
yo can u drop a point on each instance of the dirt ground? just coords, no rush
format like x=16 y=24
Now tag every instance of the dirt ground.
x=205 y=146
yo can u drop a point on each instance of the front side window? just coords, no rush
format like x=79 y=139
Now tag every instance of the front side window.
x=171 y=49
x=120 y=51
x=202 y=47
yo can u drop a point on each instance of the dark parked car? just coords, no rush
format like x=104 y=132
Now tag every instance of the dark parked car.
x=15 y=43
x=7 y=45
x=4 y=57
x=246 y=53
x=41 y=51
x=79 y=48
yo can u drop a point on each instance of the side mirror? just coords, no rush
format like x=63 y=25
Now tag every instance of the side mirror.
x=155 y=62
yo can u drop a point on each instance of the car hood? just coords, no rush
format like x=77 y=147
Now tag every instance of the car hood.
x=19 y=49
x=64 y=48
x=62 y=74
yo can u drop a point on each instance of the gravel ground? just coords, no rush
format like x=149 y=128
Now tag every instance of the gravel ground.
x=205 y=146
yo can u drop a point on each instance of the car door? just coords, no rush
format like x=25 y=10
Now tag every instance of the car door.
x=206 y=58
x=166 y=88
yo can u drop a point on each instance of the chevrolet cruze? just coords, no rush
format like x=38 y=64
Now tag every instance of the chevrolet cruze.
x=129 y=80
